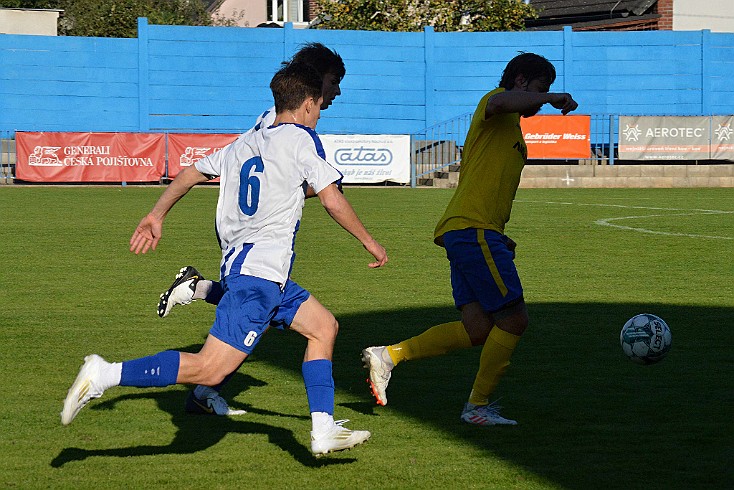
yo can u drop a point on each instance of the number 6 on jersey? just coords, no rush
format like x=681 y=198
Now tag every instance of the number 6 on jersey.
x=250 y=185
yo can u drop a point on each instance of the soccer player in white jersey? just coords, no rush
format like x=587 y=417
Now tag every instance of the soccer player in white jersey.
x=189 y=285
x=261 y=197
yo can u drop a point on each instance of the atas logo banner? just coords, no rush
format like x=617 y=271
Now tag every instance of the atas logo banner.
x=362 y=155
x=369 y=158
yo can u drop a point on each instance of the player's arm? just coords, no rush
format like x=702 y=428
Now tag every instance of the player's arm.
x=342 y=212
x=149 y=230
x=520 y=101
x=312 y=193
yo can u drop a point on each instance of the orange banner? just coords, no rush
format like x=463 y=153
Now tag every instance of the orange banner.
x=185 y=149
x=557 y=137
x=90 y=157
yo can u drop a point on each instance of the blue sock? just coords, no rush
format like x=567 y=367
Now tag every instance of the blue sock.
x=215 y=293
x=319 y=385
x=158 y=370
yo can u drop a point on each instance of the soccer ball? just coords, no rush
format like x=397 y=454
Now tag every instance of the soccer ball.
x=645 y=338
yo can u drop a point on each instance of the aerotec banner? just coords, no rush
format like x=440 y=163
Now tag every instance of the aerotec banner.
x=664 y=137
x=185 y=149
x=369 y=158
x=722 y=139
x=557 y=137
x=90 y=157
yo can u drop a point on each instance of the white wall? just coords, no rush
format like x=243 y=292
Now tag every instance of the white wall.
x=37 y=22
x=255 y=11
x=694 y=15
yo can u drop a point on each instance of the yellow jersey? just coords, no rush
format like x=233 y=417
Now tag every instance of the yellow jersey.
x=492 y=160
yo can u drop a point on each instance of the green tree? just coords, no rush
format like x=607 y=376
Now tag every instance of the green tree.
x=118 y=18
x=413 y=15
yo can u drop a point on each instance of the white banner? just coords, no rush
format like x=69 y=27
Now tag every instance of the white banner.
x=664 y=138
x=722 y=139
x=369 y=158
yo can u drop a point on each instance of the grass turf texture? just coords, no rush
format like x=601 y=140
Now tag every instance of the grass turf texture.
x=588 y=416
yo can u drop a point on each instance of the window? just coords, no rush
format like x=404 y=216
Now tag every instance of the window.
x=286 y=11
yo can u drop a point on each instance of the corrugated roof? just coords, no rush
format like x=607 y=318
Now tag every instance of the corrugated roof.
x=611 y=8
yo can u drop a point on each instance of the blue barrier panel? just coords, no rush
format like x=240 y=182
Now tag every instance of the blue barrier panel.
x=215 y=79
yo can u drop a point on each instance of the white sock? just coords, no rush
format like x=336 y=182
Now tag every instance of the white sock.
x=202 y=289
x=110 y=375
x=321 y=422
x=385 y=355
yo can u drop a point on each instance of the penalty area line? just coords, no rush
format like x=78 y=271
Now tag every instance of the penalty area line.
x=608 y=221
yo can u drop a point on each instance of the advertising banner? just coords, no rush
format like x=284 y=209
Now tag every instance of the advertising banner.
x=185 y=149
x=369 y=158
x=90 y=157
x=664 y=137
x=722 y=138
x=557 y=137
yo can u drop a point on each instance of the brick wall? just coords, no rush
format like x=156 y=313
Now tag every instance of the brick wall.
x=665 y=9
x=313 y=10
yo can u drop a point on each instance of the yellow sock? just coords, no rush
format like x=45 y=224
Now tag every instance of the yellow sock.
x=435 y=341
x=493 y=362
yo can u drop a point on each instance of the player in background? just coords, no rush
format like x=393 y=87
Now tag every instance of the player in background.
x=485 y=283
x=260 y=205
x=189 y=285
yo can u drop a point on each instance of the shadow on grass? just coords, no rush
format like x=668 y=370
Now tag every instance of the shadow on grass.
x=586 y=413
x=588 y=417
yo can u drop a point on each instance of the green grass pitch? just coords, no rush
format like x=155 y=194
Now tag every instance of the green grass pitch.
x=588 y=417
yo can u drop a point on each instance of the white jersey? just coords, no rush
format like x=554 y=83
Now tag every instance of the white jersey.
x=263 y=177
x=264 y=120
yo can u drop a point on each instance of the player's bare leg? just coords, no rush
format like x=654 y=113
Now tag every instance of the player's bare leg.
x=320 y=328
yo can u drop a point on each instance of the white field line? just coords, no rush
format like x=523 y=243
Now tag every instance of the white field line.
x=608 y=221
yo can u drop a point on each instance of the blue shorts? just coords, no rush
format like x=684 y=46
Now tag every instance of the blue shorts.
x=293 y=297
x=245 y=311
x=482 y=269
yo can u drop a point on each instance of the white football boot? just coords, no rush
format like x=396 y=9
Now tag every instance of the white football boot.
x=86 y=387
x=181 y=291
x=338 y=438
x=484 y=415
x=373 y=359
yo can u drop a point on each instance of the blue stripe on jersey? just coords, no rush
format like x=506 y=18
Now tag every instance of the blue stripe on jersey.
x=240 y=259
x=319 y=149
x=224 y=262
x=316 y=140
x=262 y=117
x=321 y=152
x=293 y=247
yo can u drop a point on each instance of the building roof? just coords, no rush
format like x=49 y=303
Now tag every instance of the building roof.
x=554 y=14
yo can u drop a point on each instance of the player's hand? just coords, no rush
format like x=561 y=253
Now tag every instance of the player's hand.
x=146 y=235
x=564 y=102
x=378 y=252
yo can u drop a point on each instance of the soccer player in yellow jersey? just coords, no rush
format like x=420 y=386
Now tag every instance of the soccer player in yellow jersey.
x=485 y=283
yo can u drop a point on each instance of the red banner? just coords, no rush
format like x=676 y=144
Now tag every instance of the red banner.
x=90 y=157
x=559 y=137
x=185 y=149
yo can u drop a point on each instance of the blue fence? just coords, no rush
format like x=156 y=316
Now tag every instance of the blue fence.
x=215 y=79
